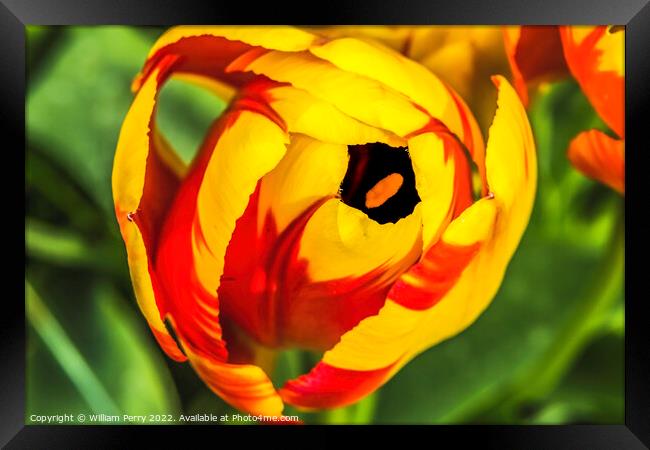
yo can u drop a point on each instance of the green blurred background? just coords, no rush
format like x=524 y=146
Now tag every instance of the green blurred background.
x=548 y=350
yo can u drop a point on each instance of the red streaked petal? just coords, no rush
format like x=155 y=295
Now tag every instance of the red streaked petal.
x=442 y=179
x=193 y=309
x=306 y=114
x=244 y=386
x=200 y=224
x=535 y=55
x=512 y=176
x=143 y=187
x=473 y=139
x=369 y=354
x=284 y=305
x=208 y=50
x=169 y=345
x=427 y=282
x=309 y=266
x=362 y=98
x=381 y=340
x=327 y=386
x=596 y=59
x=600 y=157
x=191 y=254
x=392 y=337
x=376 y=62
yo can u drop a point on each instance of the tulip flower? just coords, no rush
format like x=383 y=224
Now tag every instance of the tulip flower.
x=594 y=56
x=344 y=203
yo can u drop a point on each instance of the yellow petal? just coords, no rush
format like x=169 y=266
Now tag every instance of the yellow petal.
x=310 y=171
x=464 y=57
x=133 y=147
x=425 y=40
x=434 y=181
x=239 y=160
x=395 y=37
x=340 y=241
x=453 y=61
x=240 y=149
x=208 y=50
x=288 y=39
x=357 y=96
x=510 y=157
x=306 y=114
x=398 y=333
x=388 y=337
x=140 y=162
x=379 y=63
x=512 y=177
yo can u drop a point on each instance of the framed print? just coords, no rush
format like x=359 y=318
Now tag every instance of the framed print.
x=379 y=216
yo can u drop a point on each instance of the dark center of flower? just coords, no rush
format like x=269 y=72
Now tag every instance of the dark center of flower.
x=380 y=182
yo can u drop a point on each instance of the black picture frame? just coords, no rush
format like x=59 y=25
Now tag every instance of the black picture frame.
x=634 y=14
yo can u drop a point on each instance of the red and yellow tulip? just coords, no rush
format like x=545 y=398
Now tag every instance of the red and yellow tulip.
x=594 y=55
x=344 y=203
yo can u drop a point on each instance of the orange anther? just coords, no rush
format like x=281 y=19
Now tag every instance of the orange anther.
x=383 y=190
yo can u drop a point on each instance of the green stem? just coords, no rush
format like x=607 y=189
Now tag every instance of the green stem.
x=337 y=416
x=360 y=413
x=365 y=410
x=580 y=327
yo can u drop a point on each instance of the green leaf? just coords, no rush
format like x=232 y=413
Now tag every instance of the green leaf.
x=67 y=355
x=54 y=197
x=88 y=353
x=593 y=391
x=66 y=248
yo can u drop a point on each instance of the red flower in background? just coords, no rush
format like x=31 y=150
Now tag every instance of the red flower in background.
x=594 y=55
